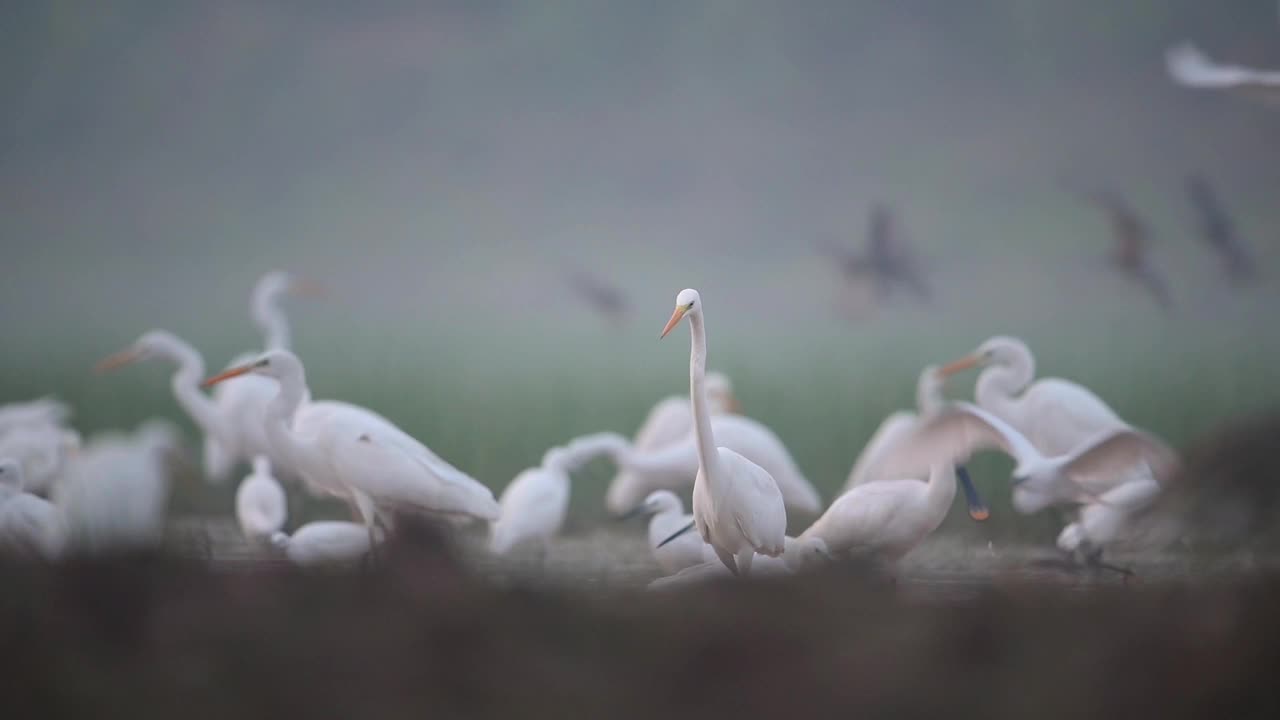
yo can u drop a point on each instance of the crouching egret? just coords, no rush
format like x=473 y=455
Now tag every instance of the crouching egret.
x=928 y=400
x=669 y=422
x=737 y=506
x=29 y=525
x=354 y=453
x=534 y=505
x=261 y=507
x=327 y=542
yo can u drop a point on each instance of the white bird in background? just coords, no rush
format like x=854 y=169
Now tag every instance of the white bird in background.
x=115 y=493
x=534 y=505
x=1056 y=415
x=29 y=525
x=1094 y=472
x=327 y=542
x=43 y=450
x=1190 y=67
x=354 y=453
x=669 y=422
x=737 y=506
x=673 y=467
x=39 y=412
x=886 y=519
x=667 y=518
x=243 y=405
x=928 y=400
x=261 y=507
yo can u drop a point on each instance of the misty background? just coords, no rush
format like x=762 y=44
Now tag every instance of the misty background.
x=439 y=166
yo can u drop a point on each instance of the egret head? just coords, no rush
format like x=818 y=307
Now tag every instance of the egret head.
x=152 y=344
x=807 y=552
x=998 y=350
x=687 y=302
x=272 y=364
x=279 y=282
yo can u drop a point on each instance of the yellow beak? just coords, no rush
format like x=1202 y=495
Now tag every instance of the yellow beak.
x=116 y=361
x=675 y=319
x=227 y=375
x=960 y=365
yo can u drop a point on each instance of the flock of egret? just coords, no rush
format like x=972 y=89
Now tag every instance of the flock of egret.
x=1069 y=447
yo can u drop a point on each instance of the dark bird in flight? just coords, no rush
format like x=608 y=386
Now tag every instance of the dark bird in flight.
x=1131 y=252
x=606 y=299
x=888 y=259
x=1219 y=232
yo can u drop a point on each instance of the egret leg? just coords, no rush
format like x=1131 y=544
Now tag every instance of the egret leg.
x=727 y=558
x=744 y=561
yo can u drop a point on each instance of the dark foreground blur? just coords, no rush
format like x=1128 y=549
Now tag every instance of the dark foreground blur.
x=154 y=637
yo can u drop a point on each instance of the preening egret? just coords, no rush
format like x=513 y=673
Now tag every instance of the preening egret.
x=1056 y=415
x=115 y=493
x=668 y=423
x=928 y=399
x=327 y=542
x=243 y=405
x=1190 y=67
x=43 y=450
x=886 y=519
x=354 y=453
x=737 y=506
x=29 y=525
x=261 y=507
x=534 y=505
x=1109 y=460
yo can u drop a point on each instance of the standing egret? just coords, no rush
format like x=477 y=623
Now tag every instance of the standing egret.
x=354 y=453
x=928 y=400
x=534 y=505
x=261 y=507
x=327 y=542
x=737 y=506
x=29 y=525
x=669 y=422
x=1120 y=468
x=242 y=405
x=115 y=494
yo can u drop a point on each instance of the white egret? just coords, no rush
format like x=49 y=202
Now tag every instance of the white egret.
x=38 y=412
x=115 y=493
x=243 y=405
x=667 y=518
x=1111 y=460
x=327 y=542
x=737 y=506
x=29 y=525
x=43 y=450
x=261 y=507
x=1056 y=415
x=928 y=400
x=1190 y=67
x=669 y=422
x=534 y=505
x=354 y=453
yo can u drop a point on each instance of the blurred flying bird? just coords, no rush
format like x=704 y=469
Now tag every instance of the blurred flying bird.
x=1190 y=67
x=606 y=299
x=928 y=400
x=1131 y=252
x=888 y=259
x=669 y=422
x=737 y=506
x=1218 y=231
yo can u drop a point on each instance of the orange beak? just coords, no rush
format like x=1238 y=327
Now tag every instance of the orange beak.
x=116 y=361
x=308 y=288
x=960 y=365
x=227 y=375
x=675 y=319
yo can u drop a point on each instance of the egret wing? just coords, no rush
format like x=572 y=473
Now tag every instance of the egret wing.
x=757 y=506
x=951 y=436
x=893 y=429
x=1112 y=457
